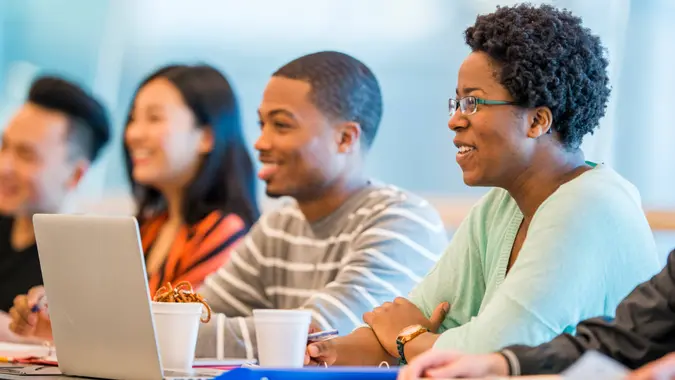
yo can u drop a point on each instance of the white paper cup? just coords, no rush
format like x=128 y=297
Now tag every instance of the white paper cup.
x=176 y=328
x=282 y=337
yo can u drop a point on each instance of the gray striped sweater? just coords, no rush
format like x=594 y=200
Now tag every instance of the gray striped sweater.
x=373 y=248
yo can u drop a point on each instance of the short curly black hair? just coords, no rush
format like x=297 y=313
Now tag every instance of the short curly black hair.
x=545 y=57
x=341 y=87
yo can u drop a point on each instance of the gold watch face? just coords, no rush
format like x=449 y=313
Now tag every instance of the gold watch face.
x=410 y=330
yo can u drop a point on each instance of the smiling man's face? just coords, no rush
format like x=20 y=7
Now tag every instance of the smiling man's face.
x=298 y=145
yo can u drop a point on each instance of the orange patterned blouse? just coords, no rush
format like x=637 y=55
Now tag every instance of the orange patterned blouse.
x=196 y=251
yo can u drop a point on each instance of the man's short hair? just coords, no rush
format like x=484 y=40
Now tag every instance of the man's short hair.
x=341 y=87
x=89 y=124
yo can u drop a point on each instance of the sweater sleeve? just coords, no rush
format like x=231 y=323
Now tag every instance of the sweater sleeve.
x=458 y=272
x=233 y=291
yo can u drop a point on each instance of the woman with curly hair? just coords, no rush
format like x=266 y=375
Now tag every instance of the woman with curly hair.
x=556 y=240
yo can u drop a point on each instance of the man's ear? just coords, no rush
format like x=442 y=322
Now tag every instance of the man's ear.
x=206 y=140
x=80 y=168
x=348 y=137
x=541 y=122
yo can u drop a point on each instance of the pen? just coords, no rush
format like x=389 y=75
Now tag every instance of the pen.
x=322 y=336
x=40 y=305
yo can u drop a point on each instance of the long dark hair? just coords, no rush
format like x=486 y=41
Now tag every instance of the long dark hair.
x=225 y=180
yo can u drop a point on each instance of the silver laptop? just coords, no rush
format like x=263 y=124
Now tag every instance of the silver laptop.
x=99 y=304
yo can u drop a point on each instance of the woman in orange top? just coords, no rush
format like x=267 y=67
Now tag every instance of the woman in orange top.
x=191 y=176
x=190 y=171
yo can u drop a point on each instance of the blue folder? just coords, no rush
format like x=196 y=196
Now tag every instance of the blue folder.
x=311 y=373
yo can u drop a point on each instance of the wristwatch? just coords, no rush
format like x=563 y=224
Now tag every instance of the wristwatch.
x=406 y=335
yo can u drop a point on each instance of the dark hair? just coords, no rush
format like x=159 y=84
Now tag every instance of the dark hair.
x=341 y=86
x=89 y=129
x=225 y=180
x=545 y=57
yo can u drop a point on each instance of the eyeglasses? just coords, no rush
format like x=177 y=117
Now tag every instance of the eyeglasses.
x=469 y=104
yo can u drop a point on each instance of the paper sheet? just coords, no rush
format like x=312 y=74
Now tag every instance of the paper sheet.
x=593 y=365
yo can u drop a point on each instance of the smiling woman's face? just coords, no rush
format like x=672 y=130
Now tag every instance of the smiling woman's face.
x=494 y=145
x=162 y=137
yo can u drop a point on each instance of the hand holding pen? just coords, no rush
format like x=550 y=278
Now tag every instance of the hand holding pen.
x=29 y=315
x=320 y=338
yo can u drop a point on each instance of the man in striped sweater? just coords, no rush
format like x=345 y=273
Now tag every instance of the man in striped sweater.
x=346 y=244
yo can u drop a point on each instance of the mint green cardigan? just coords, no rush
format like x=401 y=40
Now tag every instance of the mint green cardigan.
x=587 y=247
